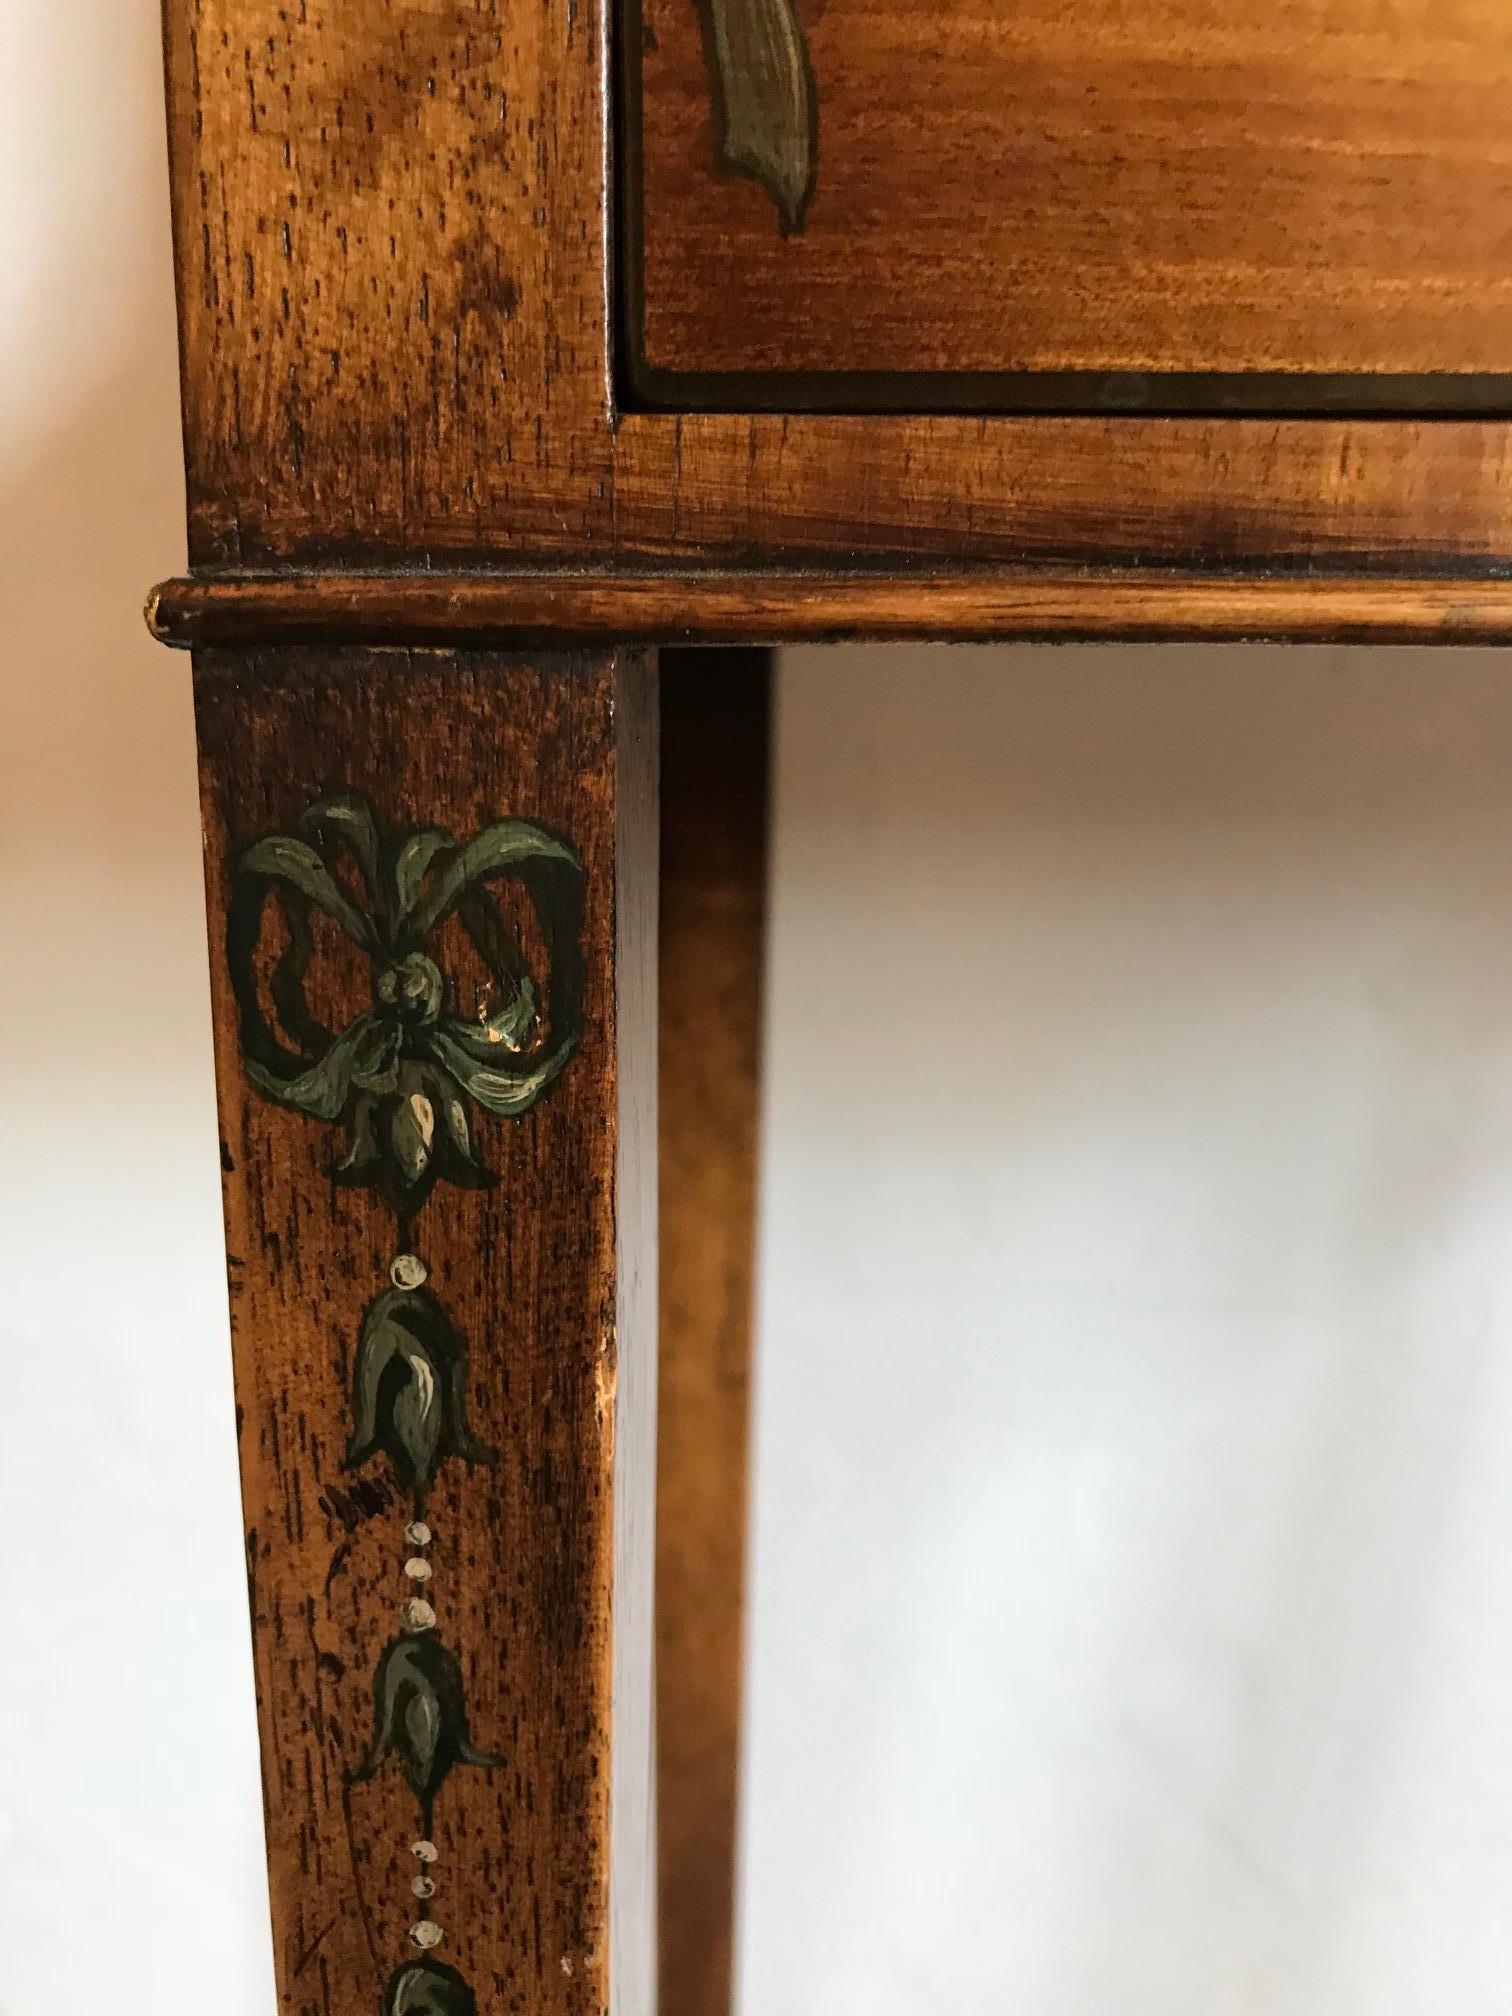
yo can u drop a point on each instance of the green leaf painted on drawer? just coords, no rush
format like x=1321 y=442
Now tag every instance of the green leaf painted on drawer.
x=766 y=108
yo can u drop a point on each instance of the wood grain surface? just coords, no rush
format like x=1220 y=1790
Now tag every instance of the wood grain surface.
x=769 y=607
x=715 y=728
x=395 y=274
x=531 y=1273
x=1124 y=186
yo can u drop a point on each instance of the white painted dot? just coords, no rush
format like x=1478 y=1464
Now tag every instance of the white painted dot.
x=425 y=1851
x=423 y=1887
x=418 y=1535
x=415 y=1614
x=407 y=1271
x=417 y=1569
x=426 y=1932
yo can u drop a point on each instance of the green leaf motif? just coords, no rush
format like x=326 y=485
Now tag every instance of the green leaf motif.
x=420 y=1718
x=428 y=1988
x=346 y=822
x=499 y=850
x=766 y=105
x=413 y=860
x=280 y=858
x=409 y=1389
x=401 y=1075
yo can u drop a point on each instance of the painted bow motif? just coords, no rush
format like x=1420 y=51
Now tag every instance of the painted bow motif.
x=402 y=1072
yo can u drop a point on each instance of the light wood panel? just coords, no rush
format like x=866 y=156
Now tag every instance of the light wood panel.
x=441 y=1251
x=1109 y=190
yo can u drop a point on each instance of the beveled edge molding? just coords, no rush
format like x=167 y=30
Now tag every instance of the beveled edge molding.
x=545 y=609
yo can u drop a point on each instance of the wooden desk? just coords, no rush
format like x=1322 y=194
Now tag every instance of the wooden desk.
x=519 y=341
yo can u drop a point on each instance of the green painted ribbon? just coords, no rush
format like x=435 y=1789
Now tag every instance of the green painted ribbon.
x=402 y=1072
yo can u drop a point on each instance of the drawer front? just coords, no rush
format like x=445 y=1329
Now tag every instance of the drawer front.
x=1175 y=205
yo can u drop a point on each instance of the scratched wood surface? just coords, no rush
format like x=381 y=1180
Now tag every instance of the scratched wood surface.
x=715 y=711
x=1318 y=186
x=394 y=269
x=944 y=604
x=521 y=1548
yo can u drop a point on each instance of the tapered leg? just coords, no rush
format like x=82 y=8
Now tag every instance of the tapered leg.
x=714 y=789
x=431 y=887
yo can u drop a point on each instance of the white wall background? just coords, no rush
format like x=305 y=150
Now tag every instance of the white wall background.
x=130 y=1815
x=1133 y=1616
x=1133 y=1609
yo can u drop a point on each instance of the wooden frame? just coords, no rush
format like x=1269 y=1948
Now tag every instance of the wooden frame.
x=395 y=241
x=431 y=887
x=424 y=532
